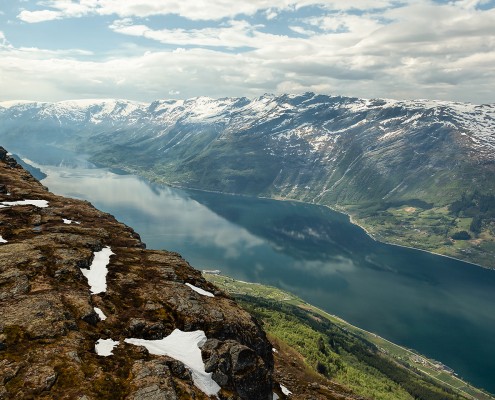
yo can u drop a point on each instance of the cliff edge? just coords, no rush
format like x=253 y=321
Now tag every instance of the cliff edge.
x=88 y=313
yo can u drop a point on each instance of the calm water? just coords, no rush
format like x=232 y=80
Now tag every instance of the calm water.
x=441 y=307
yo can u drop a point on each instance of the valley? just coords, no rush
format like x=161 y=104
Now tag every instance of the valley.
x=56 y=248
x=396 y=167
x=417 y=174
x=255 y=200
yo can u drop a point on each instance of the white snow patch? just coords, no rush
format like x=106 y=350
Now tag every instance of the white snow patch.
x=100 y=313
x=274 y=350
x=391 y=134
x=97 y=272
x=37 y=203
x=275 y=396
x=104 y=347
x=200 y=291
x=2 y=240
x=69 y=221
x=284 y=390
x=183 y=346
x=205 y=108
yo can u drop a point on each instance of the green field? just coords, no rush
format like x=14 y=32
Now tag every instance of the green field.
x=429 y=229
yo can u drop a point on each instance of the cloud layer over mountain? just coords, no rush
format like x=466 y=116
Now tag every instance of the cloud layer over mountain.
x=148 y=49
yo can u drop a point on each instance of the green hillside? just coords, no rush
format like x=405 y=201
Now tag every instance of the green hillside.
x=363 y=362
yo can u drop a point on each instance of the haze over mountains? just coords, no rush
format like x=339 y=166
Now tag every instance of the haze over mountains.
x=397 y=167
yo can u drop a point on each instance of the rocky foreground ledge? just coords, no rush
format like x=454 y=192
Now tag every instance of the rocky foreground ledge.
x=72 y=277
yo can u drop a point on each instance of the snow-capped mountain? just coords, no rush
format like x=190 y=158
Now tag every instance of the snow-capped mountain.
x=314 y=147
x=315 y=117
x=376 y=159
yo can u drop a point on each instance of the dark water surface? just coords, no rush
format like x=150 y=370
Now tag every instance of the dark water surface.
x=441 y=307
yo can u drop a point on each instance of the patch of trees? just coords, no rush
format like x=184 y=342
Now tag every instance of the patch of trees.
x=461 y=235
x=480 y=207
x=474 y=204
x=476 y=224
x=332 y=339
x=374 y=208
x=417 y=203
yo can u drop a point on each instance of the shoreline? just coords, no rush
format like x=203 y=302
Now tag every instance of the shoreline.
x=345 y=324
x=338 y=210
x=349 y=217
x=156 y=180
x=409 y=247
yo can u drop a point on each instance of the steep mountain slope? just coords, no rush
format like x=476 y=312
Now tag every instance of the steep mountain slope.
x=79 y=293
x=394 y=165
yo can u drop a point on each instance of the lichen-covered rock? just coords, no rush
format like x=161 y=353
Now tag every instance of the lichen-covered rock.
x=49 y=325
x=152 y=380
x=236 y=367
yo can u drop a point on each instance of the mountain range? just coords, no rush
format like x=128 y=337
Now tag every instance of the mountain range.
x=418 y=173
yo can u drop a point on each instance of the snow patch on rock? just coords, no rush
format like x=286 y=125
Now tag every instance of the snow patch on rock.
x=284 y=390
x=104 y=347
x=37 y=203
x=100 y=313
x=200 y=291
x=185 y=347
x=97 y=272
x=69 y=221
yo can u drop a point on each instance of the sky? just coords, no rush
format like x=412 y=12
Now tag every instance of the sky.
x=144 y=50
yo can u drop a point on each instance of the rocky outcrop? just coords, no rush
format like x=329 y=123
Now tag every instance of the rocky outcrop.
x=231 y=363
x=50 y=321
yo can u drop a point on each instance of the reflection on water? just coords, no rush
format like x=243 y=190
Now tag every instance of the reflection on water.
x=439 y=306
x=164 y=217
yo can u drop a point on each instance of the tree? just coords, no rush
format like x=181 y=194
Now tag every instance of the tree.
x=461 y=235
x=476 y=223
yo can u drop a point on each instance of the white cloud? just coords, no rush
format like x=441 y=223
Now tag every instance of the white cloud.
x=358 y=25
x=235 y=34
x=191 y=9
x=4 y=43
x=302 y=31
x=418 y=49
x=271 y=14
x=39 y=16
x=59 y=9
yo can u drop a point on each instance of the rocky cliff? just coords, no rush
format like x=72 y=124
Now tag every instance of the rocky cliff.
x=79 y=292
